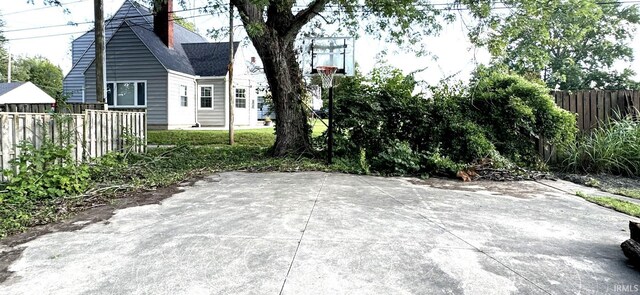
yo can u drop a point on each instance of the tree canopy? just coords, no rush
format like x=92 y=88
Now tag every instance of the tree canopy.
x=41 y=72
x=574 y=43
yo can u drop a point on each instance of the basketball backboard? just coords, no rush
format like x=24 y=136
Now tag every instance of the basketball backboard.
x=329 y=51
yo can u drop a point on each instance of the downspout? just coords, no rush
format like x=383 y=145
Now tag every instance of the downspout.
x=195 y=102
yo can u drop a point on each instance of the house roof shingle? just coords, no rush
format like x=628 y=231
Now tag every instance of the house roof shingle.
x=194 y=61
x=209 y=59
x=6 y=87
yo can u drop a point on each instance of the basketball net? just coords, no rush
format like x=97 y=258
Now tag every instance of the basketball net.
x=326 y=73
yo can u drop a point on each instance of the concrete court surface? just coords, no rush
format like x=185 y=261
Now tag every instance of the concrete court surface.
x=319 y=233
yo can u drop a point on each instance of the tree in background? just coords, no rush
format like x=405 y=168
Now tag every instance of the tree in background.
x=574 y=43
x=185 y=23
x=274 y=25
x=4 y=56
x=41 y=72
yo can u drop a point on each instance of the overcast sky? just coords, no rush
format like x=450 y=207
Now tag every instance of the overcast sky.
x=452 y=53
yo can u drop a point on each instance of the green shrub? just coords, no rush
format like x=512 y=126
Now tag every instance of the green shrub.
x=39 y=177
x=613 y=147
x=515 y=113
x=397 y=159
x=438 y=164
x=497 y=115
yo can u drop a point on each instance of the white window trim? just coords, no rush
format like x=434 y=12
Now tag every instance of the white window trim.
x=135 y=91
x=200 y=97
x=235 y=98
x=186 y=95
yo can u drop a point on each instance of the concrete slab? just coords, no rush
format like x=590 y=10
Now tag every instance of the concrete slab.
x=318 y=233
x=328 y=267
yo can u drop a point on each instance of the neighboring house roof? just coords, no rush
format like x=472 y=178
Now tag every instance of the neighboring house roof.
x=23 y=92
x=191 y=53
x=6 y=87
x=209 y=59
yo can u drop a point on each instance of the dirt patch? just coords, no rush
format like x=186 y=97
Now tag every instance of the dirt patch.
x=96 y=213
x=520 y=189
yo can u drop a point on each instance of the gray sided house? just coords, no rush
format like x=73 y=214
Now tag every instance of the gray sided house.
x=155 y=64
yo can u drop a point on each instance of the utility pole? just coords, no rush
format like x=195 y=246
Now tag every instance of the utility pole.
x=9 y=66
x=231 y=94
x=100 y=49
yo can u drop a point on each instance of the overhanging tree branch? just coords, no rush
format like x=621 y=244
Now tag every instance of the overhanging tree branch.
x=305 y=15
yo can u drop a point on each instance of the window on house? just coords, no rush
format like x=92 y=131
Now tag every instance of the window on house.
x=241 y=98
x=206 y=97
x=127 y=94
x=184 y=100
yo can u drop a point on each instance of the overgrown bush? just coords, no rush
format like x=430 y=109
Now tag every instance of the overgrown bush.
x=515 y=113
x=496 y=115
x=613 y=147
x=39 y=176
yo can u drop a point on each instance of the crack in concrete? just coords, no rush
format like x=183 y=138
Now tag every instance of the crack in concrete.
x=302 y=235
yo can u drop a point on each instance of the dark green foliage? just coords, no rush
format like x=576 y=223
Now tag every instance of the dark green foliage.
x=515 y=113
x=41 y=72
x=397 y=158
x=575 y=44
x=496 y=115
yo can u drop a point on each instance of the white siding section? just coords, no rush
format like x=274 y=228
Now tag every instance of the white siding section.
x=246 y=116
x=178 y=115
x=217 y=116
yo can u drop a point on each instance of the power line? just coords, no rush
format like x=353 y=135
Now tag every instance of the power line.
x=91 y=22
x=40 y=8
x=78 y=32
x=331 y=8
x=451 y=6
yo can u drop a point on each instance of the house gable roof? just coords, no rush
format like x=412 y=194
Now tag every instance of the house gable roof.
x=129 y=10
x=191 y=54
x=23 y=92
x=6 y=87
x=172 y=59
x=209 y=59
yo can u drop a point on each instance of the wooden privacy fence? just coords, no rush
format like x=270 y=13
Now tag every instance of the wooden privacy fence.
x=73 y=108
x=594 y=106
x=92 y=134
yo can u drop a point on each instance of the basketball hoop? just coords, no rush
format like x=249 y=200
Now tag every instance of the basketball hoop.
x=326 y=73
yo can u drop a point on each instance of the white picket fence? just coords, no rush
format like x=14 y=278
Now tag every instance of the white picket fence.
x=92 y=134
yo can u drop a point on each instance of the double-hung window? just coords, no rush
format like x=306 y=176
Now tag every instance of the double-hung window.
x=241 y=98
x=127 y=94
x=206 y=97
x=184 y=98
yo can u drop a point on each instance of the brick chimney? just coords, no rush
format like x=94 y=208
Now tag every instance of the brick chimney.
x=163 y=21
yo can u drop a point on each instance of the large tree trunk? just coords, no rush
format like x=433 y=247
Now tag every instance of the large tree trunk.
x=293 y=134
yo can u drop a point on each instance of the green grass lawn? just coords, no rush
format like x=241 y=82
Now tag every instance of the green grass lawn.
x=613 y=203
x=262 y=137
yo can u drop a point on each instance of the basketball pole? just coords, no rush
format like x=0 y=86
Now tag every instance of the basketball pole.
x=330 y=131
